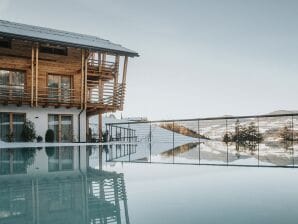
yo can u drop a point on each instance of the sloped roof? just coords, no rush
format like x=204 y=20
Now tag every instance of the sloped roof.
x=42 y=34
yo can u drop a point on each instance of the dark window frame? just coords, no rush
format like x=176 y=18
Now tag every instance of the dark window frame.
x=52 y=49
x=5 y=43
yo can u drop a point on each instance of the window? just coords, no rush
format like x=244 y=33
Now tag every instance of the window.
x=62 y=159
x=11 y=123
x=59 y=87
x=12 y=161
x=49 y=49
x=12 y=82
x=62 y=127
x=5 y=42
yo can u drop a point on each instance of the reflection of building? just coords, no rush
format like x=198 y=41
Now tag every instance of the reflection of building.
x=60 y=190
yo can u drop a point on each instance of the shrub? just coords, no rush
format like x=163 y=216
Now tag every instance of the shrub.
x=50 y=151
x=10 y=137
x=244 y=135
x=286 y=134
x=50 y=136
x=28 y=133
x=39 y=138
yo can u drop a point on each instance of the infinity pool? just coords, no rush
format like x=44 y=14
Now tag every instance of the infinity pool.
x=78 y=185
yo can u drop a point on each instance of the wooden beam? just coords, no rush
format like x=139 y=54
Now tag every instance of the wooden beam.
x=85 y=81
x=124 y=81
x=125 y=69
x=36 y=75
x=100 y=126
x=82 y=77
x=115 y=94
x=32 y=75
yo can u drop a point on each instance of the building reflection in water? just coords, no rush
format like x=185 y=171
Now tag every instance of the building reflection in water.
x=56 y=185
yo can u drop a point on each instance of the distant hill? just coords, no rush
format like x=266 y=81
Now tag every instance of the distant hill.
x=283 y=112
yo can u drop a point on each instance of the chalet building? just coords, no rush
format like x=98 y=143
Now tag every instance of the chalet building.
x=57 y=80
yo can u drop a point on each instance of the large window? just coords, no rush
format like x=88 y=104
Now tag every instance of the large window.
x=59 y=87
x=62 y=159
x=62 y=127
x=11 y=126
x=12 y=83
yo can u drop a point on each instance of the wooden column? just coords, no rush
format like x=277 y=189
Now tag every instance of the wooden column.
x=85 y=75
x=82 y=77
x=36 y=75
x=116 y=97
x=125 y=69
x=100 y=126
x=87 y=129
x=124 y=81
x=32 y=76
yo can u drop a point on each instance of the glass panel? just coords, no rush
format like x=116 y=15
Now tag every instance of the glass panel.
x=4 y=161
x=66 y=158
x=4 y=78
x=66 y=128
x=59 y=87
x=53 y=159
x=4 y=126
x=17 y=82
x=65 y=88
x=53 y=86
x=54 y=125
x=18 y=122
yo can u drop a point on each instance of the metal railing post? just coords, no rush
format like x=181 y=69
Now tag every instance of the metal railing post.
x=227 y=137
x=173 y=141
x=199 y=136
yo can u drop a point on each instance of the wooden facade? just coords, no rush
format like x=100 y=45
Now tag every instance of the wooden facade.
x=97 y=83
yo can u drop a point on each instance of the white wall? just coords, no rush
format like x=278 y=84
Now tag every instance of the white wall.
x=39 y=116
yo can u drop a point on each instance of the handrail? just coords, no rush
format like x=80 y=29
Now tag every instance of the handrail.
x=212 y=118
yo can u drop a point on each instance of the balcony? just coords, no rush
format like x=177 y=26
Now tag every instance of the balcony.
x=59 y=97
x=109 y=97
x=14 y=94
x=101 y=69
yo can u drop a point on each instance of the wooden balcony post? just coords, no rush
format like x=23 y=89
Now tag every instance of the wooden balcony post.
x=100 y=126
x=116 y=97
x=32 y=76
x=82 y=78
x=36 y=76
x=125 y=69
x=124 y=81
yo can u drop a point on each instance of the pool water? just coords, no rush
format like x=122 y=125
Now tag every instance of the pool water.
x=78 y=185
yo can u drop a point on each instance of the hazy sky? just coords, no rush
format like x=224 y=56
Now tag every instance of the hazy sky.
x=197 y=58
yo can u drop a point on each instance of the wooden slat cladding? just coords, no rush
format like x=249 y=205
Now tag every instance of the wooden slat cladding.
x=84 y=67
x=19 y=57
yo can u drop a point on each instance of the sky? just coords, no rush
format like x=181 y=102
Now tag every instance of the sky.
x=198 y=58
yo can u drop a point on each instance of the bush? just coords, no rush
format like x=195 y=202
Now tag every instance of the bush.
x=28 y=133
x=39 y=138
x=10 y=137
x=244 y=135
x=50 y=136
x=50 y=151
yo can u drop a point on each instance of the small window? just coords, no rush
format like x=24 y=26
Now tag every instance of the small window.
x=5 y=42
x=48 y=49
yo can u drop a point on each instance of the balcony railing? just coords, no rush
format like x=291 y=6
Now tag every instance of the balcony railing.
x=103 y=67
x=15 y=94
x=59 y=97
x=109 y=95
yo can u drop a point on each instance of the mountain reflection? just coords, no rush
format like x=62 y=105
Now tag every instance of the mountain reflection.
x=56 y=185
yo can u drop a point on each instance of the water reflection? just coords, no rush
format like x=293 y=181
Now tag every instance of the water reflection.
x=57 y=185
x=209 y=152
